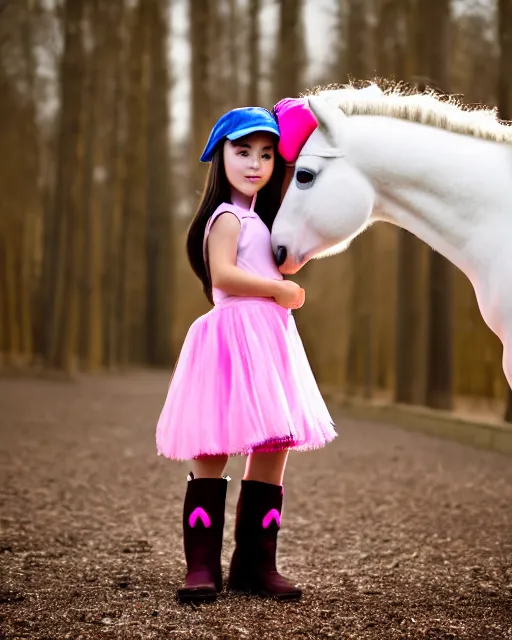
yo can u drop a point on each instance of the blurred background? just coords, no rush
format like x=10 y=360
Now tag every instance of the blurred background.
x=104 y=109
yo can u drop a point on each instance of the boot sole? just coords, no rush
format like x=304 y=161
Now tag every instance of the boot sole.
x=197 y=595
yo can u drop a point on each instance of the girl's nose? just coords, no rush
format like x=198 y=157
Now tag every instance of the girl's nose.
x=255 y=162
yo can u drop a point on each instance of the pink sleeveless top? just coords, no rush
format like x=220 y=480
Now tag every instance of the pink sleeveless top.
x=254 y=253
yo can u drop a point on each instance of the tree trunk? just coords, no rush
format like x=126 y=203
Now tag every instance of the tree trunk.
x=9 y=220
x=159 y=196
x=434 y=15
x=33 y=213
x=92 y=299
x=68 y=214
x=359 y=365
x=113 y=202
x=12 y=330
x=505 y=98
x=254 y=53
x=133 y=271
x=390 y=60
x=439 y=355
x=3 y=306
x=290 y=50
x=410 y=308
x=200 y=13
x=20 y=203
x=233 y=80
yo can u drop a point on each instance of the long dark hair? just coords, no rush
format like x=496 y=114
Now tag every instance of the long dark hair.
x=218 y=190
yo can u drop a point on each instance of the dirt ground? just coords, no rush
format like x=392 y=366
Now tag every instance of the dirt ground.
x=392 y=534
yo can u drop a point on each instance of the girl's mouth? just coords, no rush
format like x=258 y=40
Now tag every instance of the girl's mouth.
x=253 y=178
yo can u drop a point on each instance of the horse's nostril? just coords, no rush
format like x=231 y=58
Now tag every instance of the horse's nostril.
x=280 y=256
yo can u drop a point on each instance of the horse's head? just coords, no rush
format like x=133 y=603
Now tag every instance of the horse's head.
x=329 y=201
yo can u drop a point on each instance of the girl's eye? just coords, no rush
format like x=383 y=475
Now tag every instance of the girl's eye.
x=243 y=153
x=267 y=156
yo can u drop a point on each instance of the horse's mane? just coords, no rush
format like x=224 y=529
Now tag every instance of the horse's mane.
x=399 y=100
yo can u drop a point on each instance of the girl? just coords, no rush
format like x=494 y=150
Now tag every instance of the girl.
x=242 y=384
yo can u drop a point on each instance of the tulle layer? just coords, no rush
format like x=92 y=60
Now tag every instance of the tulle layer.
x=242 y=382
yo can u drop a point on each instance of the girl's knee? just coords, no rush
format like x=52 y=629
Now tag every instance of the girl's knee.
x=266 y=466
x=209 y=466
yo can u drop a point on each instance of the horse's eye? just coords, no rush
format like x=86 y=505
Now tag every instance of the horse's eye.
x=304 y=178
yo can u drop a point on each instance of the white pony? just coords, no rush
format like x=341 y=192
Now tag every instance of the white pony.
x=427 y=165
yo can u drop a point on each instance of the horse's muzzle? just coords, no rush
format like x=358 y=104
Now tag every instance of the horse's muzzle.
x=280 y=255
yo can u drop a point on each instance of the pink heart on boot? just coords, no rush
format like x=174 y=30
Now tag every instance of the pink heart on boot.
x=273 y=514
x=199 y=514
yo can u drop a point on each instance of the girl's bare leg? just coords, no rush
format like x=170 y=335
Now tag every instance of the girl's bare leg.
x=209 y=466
x=266 y=466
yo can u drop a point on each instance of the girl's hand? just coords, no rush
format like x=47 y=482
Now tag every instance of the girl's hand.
x=289 y=295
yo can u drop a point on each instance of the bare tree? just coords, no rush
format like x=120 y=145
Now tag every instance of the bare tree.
x=410 y=339
x=133 y=273
x=254 y=54
x=159 y=192
x=505 y=97
x=91 y=298
x=201 y=104
x=21 y=204
x=434 y=43
x=359 y=365
x=67 y=223
x=91 y=279
x=115 y=65
x=290 y=54
x=233 y=82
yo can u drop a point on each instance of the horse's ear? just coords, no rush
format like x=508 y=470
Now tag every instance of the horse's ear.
x=329 y=120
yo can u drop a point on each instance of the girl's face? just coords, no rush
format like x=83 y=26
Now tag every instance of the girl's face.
x=249 y=162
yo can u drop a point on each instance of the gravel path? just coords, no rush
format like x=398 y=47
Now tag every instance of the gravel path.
x=392 y=534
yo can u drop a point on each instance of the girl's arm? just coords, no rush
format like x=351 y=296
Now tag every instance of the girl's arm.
x=225 y=275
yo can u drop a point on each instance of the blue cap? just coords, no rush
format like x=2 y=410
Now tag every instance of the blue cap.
x=238 y=123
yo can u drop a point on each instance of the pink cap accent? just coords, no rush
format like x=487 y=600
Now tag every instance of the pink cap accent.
x=296 y=124
x=273 y=514
x=199 y=514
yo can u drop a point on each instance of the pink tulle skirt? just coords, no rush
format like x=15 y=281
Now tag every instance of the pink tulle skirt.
x=242 y=382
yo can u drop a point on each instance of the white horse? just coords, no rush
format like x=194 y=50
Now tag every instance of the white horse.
x=427 y=165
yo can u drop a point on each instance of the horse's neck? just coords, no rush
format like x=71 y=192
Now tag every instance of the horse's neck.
x=452 y=191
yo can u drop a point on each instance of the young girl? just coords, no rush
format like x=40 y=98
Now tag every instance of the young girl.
x=242 y=384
